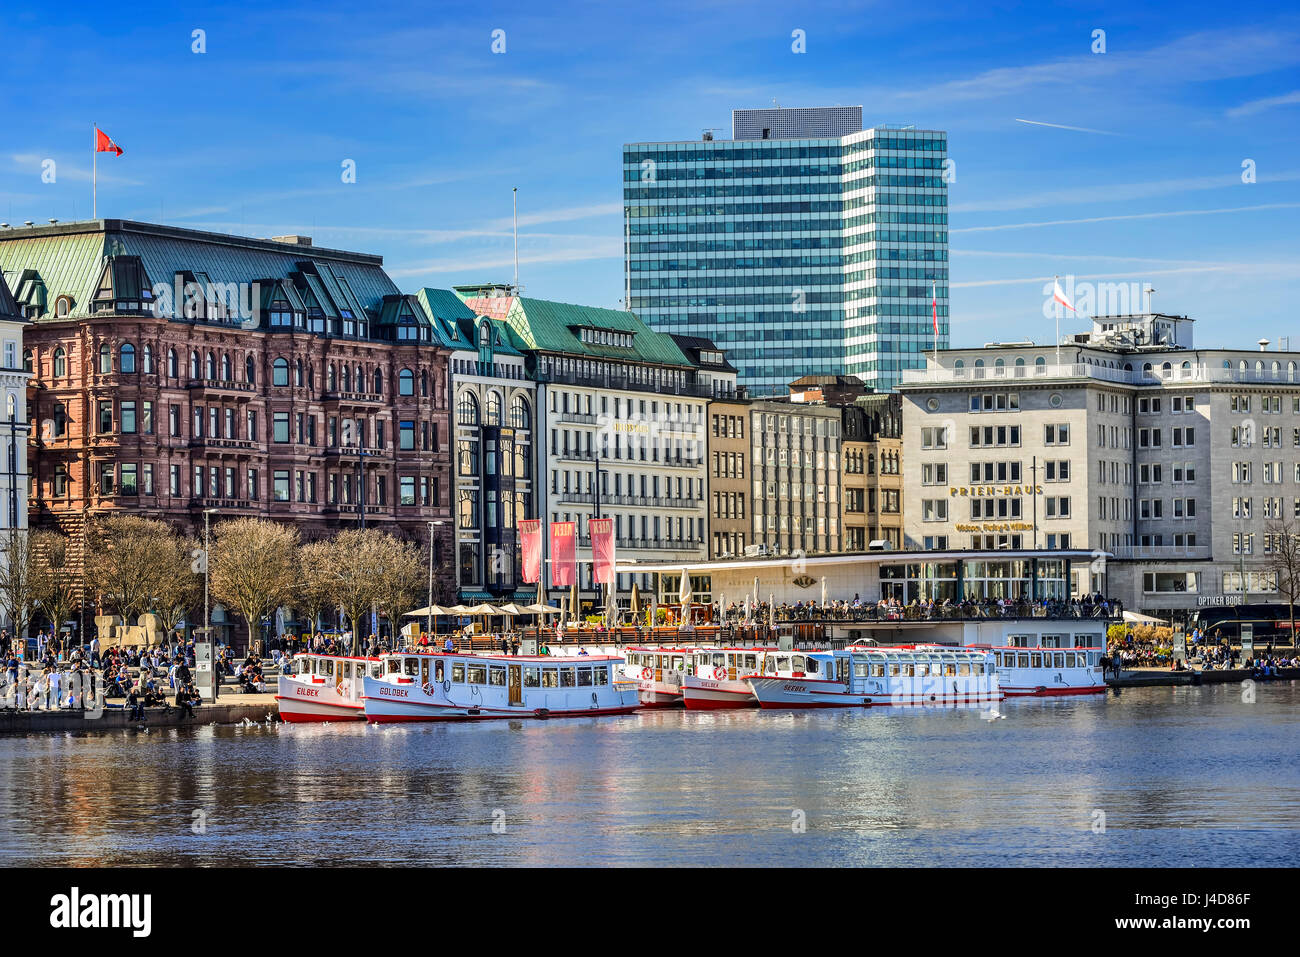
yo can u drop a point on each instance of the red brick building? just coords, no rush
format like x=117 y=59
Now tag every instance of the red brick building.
x=176 y=370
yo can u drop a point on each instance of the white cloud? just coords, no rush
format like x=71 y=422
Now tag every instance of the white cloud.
x=1118 y=218
x=1252 y=107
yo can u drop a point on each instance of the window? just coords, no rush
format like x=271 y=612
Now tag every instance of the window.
x=126 y=364
x=281 y=427
x=934 y=510
x=520 y=416
x=128 y=421
x=60 y=362
x=1056 y=434
x=281 y=485
x=934 y=437
x=406 y=435
x=105 y=359
x=467 y=409
x=280 y=372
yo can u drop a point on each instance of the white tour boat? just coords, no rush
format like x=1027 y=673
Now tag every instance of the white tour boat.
x=717 y=678
x=323 y=688
x=445 y=686
x=1045 y=672
x=865 y=676
x=659 y=673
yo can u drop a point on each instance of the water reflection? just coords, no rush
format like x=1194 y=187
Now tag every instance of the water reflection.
x=1184 y=775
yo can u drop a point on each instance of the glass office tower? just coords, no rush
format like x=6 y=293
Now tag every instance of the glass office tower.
x=798 y=254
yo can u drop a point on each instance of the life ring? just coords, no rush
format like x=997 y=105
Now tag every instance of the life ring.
x=427 y=688
x=647 y=674
x=720 y=674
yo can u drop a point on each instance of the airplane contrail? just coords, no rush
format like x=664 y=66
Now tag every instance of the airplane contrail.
x=1059 y=126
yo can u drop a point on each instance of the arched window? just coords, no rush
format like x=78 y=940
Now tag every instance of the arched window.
x=1167 y=368
x=347 y=379
x=297 y=373
x=173 y=368
x=194 y=365
x=27 y=360
x=959 y=364
x=331 y=383
x=1020 y=362
x=979 y=363
x=126 y=362
x=379 y=382
x=225 y=366
x=147 y=368
x=280 y=371
x=467 y=409
x=60 y=362
x=494 y=408
x=250 y=372
x=405 y=382
x=361 y=379
x=212 y=366
x=105 y=359
x=520 y=416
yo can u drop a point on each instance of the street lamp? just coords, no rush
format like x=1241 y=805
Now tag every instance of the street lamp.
x=207 y=621
x=428 y=628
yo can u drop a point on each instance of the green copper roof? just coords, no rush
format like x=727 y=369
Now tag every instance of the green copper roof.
x=69 y=258
x=553 y=327
x=447 y=310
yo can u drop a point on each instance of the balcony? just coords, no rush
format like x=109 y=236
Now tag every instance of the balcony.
x=1157 y=376
x=222 y=503
x=352 y=398
x=580 y=418
x=622 y=383
x=242 y=445
x=1160 y=552
x=222 y=386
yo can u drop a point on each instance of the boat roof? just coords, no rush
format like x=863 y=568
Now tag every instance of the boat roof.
x=498 y=657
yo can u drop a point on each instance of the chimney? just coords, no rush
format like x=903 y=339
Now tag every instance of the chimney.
x=292 y=240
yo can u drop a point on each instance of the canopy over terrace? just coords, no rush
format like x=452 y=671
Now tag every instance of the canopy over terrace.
x=968 y=574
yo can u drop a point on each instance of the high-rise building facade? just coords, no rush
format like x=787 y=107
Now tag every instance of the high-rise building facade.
x=804 y=245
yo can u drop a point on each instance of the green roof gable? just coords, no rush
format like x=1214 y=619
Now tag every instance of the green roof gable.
x=548 y=326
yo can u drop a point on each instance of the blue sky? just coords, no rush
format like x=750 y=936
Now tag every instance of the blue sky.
x=250 y=136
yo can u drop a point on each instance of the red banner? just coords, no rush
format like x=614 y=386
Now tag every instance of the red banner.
x=530 y=536
x=564 y=554
x=602 y=549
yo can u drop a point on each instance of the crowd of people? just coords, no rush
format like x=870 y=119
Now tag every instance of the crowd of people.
x=892 y=609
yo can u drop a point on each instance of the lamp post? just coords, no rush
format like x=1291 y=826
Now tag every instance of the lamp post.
x=207 y=621
x=429 y=621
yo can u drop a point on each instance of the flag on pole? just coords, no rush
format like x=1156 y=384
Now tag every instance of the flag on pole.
x=934 y=308
x=105 y=144
x=602 y=550
x=530 y=533
x=1058 y=295
x=564 y=558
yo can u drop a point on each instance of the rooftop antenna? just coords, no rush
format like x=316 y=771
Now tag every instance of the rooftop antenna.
x=1150 y=297
x=514 y=203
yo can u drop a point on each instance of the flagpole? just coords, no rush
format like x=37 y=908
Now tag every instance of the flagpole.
x=1056 y=281
x=934 y=292
x=94 y=173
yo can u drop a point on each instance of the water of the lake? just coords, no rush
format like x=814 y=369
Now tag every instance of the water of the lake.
x=1191 y=776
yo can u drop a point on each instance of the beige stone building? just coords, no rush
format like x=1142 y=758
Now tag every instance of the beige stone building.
x=729 y=483
x=1171 y=463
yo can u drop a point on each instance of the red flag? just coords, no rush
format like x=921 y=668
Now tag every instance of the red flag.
x=934 y=308
x=602 y=549
x=530 y=533
x=104 y=144
x=564 y=554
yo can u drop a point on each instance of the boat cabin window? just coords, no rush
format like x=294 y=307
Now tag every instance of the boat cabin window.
x=783 y=664
x=908 y=669
x=979 y=667
x=497 y=676
x=949 y=669
x=1022 y=660
x=477 y=674
x=677 y=662
x=860 y=669
x=1036 y=660
x=963 y=669
x=393 y=666
x=731 y=661
x=878 y=669
x=532 y=677
x=600 y=675
x=411 y=666
x=549 y=678
x=797 y=663
x=566 y=678
x=750 y=662
x=458 y=672
x=719 y=660
x=439 y=672
x=1058 y=660
x=584 y=677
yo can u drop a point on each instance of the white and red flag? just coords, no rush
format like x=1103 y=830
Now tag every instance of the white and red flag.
x=934 y=308
x=602 y=550
x=530 y=533
x=1058 y=295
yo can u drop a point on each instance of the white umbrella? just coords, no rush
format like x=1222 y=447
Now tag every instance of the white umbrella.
x=611 y=606
x=685 y=596
x=823 y=591
x=1135 y=618
x=771 y=611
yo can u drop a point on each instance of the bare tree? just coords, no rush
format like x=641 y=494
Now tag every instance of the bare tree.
x=399 y=579
x=316 y=580
x=56 y=578
x=176 y=589
x=123 y=563
x=254 y=568
x=1283 y=563
x=18 y=576
x=357 y=558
